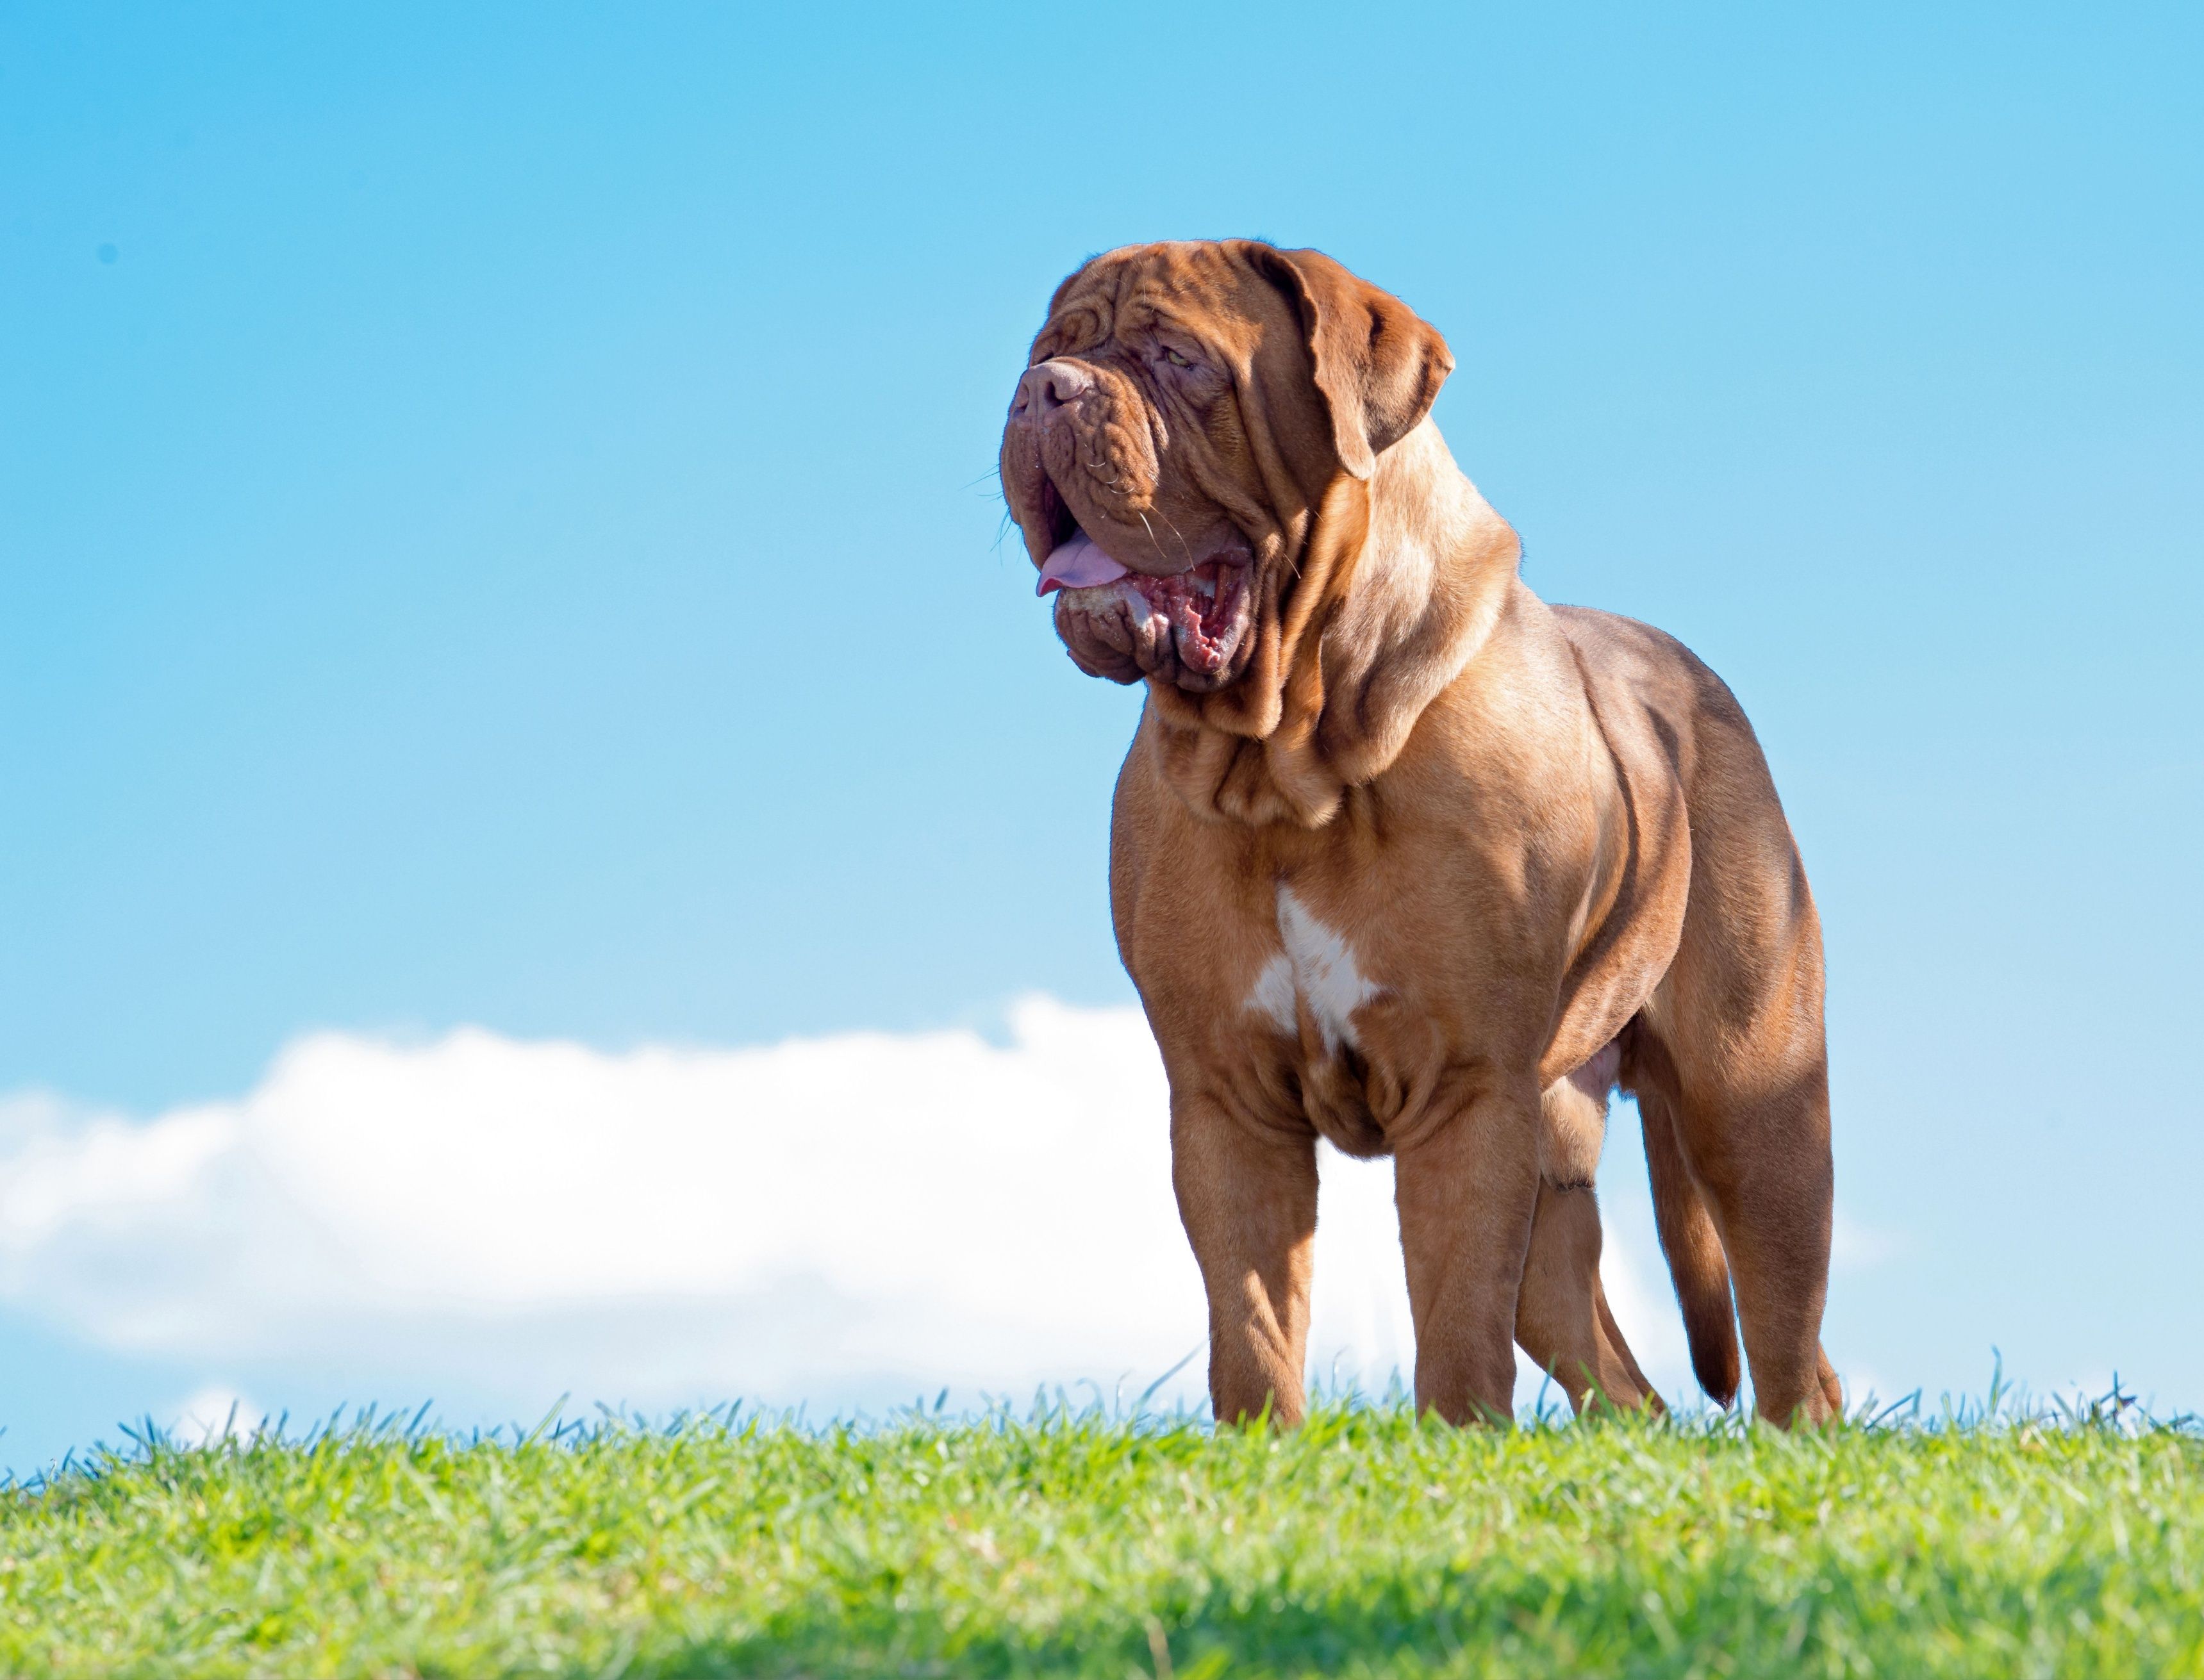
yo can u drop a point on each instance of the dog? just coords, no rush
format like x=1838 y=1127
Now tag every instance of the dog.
x=1404 y=858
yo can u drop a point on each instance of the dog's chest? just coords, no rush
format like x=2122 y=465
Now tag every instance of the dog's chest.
x=1316 y=971
x=1312 y=1005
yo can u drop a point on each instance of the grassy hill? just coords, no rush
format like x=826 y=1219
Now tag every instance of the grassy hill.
x=1366 y=1544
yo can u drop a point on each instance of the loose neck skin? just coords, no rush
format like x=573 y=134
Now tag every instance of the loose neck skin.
x=1430 y=580
x=1409 y=572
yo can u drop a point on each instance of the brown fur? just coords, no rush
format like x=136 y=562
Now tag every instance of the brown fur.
x=1432 y=866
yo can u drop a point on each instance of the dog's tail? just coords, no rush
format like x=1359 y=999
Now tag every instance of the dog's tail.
x=1697 y=1263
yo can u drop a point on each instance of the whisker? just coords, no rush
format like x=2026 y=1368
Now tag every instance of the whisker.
x=1184 y=548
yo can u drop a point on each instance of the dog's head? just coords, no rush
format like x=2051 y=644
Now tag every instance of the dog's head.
x=1186 y=413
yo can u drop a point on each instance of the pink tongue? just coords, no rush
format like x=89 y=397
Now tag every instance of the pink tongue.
x=1079 y=563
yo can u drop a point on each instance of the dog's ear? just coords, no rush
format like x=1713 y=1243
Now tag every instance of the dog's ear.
x=1379 y=364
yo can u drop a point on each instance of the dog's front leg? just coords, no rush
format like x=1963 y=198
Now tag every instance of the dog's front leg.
x=1467 y=1189
x=1247 y=1194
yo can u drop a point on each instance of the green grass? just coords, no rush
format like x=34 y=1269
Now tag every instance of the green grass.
x=1366 y=1544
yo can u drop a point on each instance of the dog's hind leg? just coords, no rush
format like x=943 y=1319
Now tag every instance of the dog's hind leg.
x=1611 y=1339
x=1765 y=1166
x=1697 y=1265
x=1561 y=1317
x=1739 y=1018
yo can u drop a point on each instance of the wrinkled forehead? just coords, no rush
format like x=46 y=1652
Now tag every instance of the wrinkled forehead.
x=1203 y=288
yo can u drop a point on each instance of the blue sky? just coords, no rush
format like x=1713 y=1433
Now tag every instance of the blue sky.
x=496 y=532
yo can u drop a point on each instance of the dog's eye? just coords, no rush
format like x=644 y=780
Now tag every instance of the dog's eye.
x=1175 y=358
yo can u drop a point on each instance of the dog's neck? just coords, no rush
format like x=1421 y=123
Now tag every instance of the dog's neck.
x=1400 y=580
x=1426 y=589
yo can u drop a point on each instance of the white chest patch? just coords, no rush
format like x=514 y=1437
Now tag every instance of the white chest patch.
x=1317 y=968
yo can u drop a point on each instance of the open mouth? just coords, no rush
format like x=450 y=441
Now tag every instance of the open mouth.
x=1202 y=608
x=1056 y=513
x=1188 y=625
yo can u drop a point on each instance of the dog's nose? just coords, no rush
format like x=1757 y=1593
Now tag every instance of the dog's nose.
x=1051 y=385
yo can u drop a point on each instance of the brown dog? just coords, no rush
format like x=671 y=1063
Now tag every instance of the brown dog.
x=1405 y=858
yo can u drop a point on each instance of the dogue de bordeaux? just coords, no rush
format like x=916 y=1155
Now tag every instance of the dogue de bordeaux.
x=1403 y=857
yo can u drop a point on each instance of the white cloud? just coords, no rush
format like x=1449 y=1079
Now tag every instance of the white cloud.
x=844 y=1219
x=1854 y=1247
x=215 y=1412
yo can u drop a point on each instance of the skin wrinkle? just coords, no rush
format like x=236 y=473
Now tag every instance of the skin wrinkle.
x=1542 y=842
x=1108 y=632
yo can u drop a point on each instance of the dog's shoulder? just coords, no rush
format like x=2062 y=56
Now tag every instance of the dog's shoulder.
x=1635 y=667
